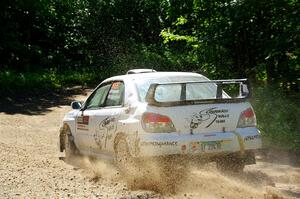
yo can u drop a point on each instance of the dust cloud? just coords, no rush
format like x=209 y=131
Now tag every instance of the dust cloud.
x=198 y=181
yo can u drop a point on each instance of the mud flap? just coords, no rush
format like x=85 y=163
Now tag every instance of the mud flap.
x=247 y=156
x=241 y=143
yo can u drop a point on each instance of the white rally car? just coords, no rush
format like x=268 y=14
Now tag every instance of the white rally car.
x=149 y=114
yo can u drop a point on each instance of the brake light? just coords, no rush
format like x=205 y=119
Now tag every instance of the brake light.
x=247 y=119
x=156 y=123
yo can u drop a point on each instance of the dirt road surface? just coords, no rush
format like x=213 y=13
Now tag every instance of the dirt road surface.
x=30 y=167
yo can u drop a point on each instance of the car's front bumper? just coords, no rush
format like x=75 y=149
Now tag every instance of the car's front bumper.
x=160 y=144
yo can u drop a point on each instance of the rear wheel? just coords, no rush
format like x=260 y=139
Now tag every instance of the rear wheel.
x=231 y=163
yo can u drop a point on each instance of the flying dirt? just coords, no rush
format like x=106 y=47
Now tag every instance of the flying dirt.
x=31 y=168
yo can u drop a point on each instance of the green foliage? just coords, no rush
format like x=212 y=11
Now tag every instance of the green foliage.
x=257 y=39
x=223 y=38
x=13 y=82
x=278 y=117
x=161 y=59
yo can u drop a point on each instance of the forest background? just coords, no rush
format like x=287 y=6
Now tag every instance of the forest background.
x=49 y=45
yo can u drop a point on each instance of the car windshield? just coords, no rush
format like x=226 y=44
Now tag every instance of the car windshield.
x=172 y=92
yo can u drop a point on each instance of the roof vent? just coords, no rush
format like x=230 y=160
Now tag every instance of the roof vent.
x=137 y=71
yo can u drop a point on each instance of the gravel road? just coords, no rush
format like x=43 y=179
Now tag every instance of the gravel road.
x=30 y=168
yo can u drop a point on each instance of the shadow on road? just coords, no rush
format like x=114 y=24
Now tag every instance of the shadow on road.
x=39 y=104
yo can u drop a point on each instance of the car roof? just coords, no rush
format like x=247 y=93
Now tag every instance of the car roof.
x=151 y=75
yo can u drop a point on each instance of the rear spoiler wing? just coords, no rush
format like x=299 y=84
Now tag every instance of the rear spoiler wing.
x=244 y=93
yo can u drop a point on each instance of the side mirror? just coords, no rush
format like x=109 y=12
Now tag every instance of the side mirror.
x=76 y=105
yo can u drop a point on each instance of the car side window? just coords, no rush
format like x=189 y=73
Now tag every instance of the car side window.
x=115 y=96
x=98 y=98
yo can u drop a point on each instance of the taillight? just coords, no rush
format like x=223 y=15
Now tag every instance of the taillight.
x=156 y=123
x=247 y=119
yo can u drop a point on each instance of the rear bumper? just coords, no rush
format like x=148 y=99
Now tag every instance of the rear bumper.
x=162 y=144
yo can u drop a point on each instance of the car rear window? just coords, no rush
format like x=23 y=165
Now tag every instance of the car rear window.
x=169 y=93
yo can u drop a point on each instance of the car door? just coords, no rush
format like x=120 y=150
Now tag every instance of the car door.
x=105 y=122
x=84 y=121
x=104 y=118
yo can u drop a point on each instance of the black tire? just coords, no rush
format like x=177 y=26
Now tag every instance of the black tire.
x=70 y=148
x=231 y=164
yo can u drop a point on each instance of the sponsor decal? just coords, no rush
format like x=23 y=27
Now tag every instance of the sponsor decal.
x=210 y=116
x=105 y=131
x=83 y=119
x=83 y=122
x=251 y=137
x=163 y=143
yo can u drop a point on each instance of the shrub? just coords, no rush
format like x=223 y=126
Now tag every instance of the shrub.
x=278 y=117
